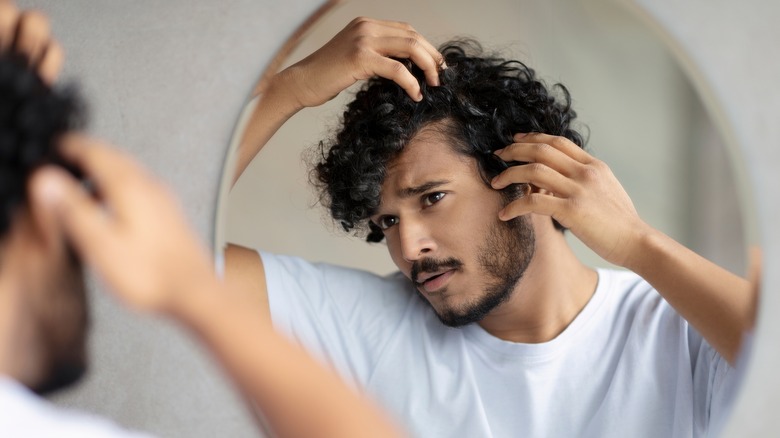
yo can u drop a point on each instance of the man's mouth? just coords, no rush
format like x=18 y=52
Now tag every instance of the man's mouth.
x=433 y=281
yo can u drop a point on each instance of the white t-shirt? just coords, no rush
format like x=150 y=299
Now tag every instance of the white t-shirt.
x=25 y=415
x=628 y=365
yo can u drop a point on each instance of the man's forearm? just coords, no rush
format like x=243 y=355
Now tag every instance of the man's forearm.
x=274 y=107
x=298 y=397
x=714 y=301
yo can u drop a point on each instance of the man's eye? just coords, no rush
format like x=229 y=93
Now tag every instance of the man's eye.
x=432 y=198
x=386 y=222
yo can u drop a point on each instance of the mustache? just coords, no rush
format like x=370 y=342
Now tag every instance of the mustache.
x=433 y=265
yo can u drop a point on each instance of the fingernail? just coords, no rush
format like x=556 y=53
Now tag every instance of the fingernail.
x=444 y=65
x=520 y=135
x=419 y=97
x=498 y=151
x=494 y=182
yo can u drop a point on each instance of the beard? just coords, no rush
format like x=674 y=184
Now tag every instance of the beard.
x=503 y=258
x=63 y=325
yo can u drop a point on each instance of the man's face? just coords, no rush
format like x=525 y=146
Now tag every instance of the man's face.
x=441 y=223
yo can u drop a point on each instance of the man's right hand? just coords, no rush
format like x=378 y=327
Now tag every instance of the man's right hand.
x=133 y=232
x=362 y=50
x=28 y=35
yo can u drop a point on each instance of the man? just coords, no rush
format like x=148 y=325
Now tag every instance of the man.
x=50 y=222
x=471 y=169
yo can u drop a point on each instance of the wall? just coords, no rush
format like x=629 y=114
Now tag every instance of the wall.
x=166 y=80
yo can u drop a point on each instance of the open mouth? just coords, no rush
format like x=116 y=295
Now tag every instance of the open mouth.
x=436 y=281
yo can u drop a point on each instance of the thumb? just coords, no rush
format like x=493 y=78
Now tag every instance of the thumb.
x=63 y=200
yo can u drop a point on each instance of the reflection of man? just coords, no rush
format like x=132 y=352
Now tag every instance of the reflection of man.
x=545 y=346
x=134 y=236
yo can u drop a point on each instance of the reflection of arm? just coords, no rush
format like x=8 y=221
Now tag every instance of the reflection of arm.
x=274 y=108
x=362 y=50
x=717 y=303
x=582 y=193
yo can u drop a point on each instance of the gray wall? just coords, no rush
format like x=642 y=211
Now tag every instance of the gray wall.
x=166 y=80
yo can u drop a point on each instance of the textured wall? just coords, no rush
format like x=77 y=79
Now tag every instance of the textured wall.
x=166 y=80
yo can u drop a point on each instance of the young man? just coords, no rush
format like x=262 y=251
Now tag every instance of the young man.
x=470 y=168
x=49 y=223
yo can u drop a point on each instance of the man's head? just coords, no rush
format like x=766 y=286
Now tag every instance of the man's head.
x=42 y=334
x=386 y=166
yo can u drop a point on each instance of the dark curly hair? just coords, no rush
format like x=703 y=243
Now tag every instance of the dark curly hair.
x=483 y=100
x=32 y=116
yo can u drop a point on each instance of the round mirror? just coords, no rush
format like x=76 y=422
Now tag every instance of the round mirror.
x=640 y=113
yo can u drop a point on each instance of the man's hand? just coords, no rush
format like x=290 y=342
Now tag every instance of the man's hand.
x=28 y=35
x=363 y=49
x=577 y=190
x=582 y=194
x=132 y=232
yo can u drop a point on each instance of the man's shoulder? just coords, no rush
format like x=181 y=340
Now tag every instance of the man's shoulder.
x=297 y=267
x=633 y=300
x=624 y=282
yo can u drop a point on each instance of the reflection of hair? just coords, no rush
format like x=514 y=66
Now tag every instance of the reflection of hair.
x=483 y=101
x=32 y=116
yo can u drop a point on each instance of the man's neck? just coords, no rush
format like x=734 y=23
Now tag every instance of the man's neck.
x=19 y=357
x=553 y=291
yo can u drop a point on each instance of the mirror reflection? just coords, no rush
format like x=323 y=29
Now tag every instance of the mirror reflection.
x=484 y=305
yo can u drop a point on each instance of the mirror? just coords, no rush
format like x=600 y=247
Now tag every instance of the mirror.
x=644 y=117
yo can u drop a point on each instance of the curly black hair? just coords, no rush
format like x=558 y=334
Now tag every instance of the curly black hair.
x=32 y=116
x=483 y=100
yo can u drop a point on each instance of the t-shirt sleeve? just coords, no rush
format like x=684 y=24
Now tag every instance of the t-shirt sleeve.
x=342 y=316
x=715 y=385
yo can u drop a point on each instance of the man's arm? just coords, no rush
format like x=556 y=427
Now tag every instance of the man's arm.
x=136 y=223
x=362 y=50
x=582 y=194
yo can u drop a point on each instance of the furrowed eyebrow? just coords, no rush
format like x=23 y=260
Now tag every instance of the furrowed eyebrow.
x=419 y=190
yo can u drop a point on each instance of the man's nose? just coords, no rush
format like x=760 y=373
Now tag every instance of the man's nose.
x=416 y=240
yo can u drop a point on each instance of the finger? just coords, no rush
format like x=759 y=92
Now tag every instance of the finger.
x=410 y=32
x=111 y=171
x=562 y=144
x=540 y=153
x=51 y=64
x=82 y=220
x=398 y=73
x=32 y=36
x=538 y=203
x=412 y=48
x=538 y=175
x=9 y=16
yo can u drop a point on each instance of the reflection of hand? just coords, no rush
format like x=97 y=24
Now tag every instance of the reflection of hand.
x=27 y=33
x=363 y=49
x=134 y=235
x=574 y=188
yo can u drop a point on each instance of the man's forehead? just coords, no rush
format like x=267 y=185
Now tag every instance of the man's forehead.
x=429 y=157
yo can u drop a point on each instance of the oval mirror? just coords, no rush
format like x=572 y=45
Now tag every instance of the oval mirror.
x=641 y=114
